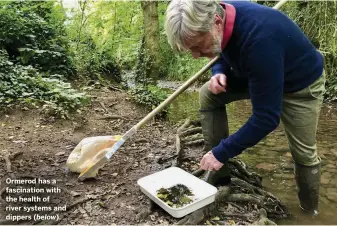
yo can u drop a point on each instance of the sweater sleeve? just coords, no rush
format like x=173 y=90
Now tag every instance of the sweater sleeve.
x=264 y=65
x=220 y=66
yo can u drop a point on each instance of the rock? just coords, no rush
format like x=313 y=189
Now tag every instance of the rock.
x=285 y=176
x=114 y=174
x=60 y=153
x=281 y=149
x=322 y=156
x=266 y=166
x=331 y=194
x=325 y=181
x=153 y=218
x=331 y=166
x=331 y=170
x=326 y=175
x=287 y=166
x=288 y=155
x=270 y=144
x=74 y=193
x=334 y=152
x=333 y=182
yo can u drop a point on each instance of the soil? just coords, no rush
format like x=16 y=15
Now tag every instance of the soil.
x=112 y=197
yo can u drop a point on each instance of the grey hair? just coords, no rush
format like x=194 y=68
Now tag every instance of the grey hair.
x=186 y=19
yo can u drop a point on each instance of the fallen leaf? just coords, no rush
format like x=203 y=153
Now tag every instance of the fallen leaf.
x=69 y=147
x=231 y=222
x=101 y=204
x=208 y=223
x=215 y=218
x=74 y=193
x=82 y=211
x=19 y=141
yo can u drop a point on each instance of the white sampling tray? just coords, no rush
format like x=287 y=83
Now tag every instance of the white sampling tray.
x=204 y=193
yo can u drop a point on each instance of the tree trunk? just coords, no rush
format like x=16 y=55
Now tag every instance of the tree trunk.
x=149 y=60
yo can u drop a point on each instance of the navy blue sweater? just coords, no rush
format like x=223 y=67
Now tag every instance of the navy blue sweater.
x=273 y=54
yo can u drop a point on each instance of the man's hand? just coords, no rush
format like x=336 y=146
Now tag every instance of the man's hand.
x=209 y=162
x=218 y=84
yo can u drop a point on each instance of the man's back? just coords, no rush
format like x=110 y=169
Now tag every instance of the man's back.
x=254 y=23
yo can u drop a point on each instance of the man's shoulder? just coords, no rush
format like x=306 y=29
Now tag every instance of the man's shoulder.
x=256 y=12
x=254 y=21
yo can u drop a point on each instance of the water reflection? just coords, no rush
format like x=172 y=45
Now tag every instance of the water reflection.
x=271 y=157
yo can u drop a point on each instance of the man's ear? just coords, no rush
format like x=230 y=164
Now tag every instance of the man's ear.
x=218 y=22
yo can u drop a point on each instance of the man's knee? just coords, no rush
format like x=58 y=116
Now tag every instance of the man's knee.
x=204 y=96
x=210 y=101
x=308 y=157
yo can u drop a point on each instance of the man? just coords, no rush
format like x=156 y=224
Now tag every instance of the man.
x=265 y=57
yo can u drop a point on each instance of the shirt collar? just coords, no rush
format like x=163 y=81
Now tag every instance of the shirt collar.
x=229 y=23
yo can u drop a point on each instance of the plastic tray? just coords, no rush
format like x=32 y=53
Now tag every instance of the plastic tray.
x=204 y=193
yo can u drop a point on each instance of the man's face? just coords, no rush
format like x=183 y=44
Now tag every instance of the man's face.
x=206 y=44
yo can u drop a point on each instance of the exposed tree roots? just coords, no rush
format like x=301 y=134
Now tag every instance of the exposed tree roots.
x=243 y=201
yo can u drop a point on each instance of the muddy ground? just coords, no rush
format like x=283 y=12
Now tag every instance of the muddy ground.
x=114 y=197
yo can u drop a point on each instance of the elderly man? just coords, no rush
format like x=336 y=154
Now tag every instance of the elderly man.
x=265 y=57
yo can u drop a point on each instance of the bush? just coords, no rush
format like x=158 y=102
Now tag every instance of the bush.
x=149 y=95
x=33 y=33
x=318 y=21
x=24 y=84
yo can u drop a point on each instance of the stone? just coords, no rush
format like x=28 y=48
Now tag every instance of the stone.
x=325 y=181
x=331 y=166
x=281 y=149
x=288 y=154
x=322 y=156
x=270 y=144
x=285 y=176
x=331 y=194
x=326 y=175
x=332 y=170
x=266 y=166
x=287 y=166
x=334 y=152
x=333 y=181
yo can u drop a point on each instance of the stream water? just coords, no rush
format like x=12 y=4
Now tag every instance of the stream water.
x=271 y=157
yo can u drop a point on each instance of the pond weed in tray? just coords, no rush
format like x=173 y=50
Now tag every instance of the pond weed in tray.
x=161 y=183
x=176 y=196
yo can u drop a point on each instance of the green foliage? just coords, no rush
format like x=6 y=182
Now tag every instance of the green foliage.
x=25 y=85
x=33 y=33
x=177 y=67
x=90 y=32
x=318 y=21
x=149 y=95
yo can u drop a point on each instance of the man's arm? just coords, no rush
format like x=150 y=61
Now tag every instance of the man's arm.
x=220 y=66
x=265 y=66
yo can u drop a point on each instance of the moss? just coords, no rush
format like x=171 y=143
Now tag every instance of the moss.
x=175 y=196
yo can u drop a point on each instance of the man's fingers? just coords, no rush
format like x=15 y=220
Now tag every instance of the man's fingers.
x=210 y=168
x=215 y=87
x=223 y=81
x=217 y=167
x=202 y=162
x=205 y=166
